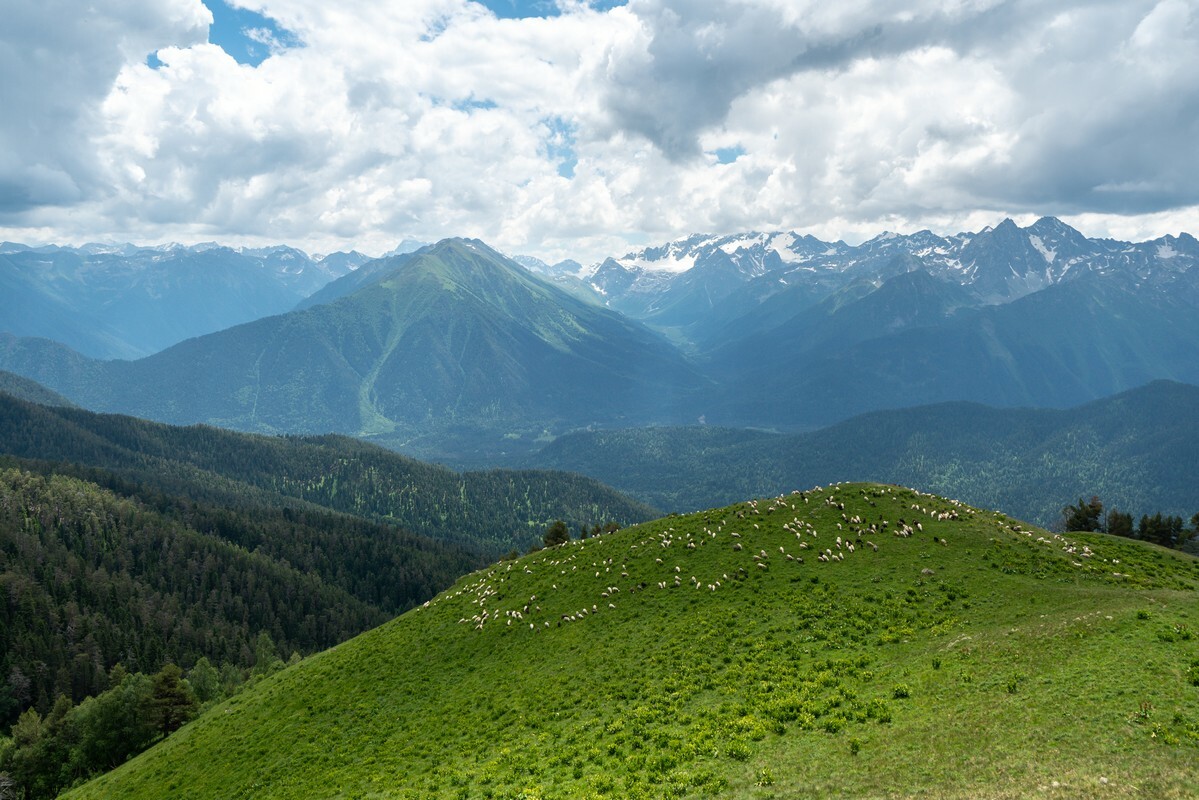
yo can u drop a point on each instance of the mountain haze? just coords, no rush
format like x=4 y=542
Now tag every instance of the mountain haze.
x=1138 y=451
x=127 y=302
x=455 y=353
x=454 y=335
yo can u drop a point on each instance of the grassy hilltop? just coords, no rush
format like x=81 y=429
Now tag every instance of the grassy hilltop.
x=853 y=641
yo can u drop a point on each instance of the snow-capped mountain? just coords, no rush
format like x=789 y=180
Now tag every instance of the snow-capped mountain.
x=995 y=265
x=773 y=330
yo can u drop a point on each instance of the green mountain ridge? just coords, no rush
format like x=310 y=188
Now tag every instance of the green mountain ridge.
x=903 y=345
x=489 y=511
x=1138 y=450
x=31 y=391
x=454 y=336
x=856 y=640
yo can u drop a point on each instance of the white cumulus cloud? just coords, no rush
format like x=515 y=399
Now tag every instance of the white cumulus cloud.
x=582 y=133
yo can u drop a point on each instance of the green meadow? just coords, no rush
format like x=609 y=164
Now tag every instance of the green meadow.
x=858 y=640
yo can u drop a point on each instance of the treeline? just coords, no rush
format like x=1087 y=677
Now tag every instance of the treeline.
x=47 y=753
x=489 y=511
x=1165 y=530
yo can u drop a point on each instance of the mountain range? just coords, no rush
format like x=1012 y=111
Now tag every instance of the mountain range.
x=123 y=301
x=452 y=337
x=454 y=352
x=995 y=265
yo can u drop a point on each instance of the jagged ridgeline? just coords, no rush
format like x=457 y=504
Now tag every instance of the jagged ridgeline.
x=856 y=640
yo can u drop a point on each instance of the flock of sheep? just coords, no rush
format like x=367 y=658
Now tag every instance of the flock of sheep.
x=739 y=527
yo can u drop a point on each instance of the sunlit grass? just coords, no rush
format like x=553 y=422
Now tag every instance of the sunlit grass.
x=950 y=653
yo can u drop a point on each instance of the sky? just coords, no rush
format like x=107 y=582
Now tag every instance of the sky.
x=582 y=129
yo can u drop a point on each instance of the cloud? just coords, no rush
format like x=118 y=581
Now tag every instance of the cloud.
x=580 y=133
x=692 y=59
x=59 y=60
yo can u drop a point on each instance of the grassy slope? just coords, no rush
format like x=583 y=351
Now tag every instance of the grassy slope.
x=1029 y=668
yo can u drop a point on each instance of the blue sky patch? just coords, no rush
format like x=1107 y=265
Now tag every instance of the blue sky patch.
x=560 y=146
x=522 y=9
x=474 y=105
x=245 y=35
x=727 y=155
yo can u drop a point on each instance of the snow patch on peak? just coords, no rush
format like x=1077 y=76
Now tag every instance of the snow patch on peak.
x=673 y=261
x=733 y=245
x=1166 y=251
x=1047 y=253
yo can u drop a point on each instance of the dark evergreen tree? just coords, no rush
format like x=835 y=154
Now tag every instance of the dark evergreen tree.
x=1085 y=516
x=557 y=533
x=1164 y=530
x=1119 y=523
x=172 y=701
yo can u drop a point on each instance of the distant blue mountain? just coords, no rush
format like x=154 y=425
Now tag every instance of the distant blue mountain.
x=121 y=301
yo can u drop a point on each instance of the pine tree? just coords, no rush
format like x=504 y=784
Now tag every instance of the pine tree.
x=172 y=701
x=557 y=533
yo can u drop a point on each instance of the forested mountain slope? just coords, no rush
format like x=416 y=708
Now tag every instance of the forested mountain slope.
x=125 y=541
x=1138 y=450
x=90 y=579
x=491 y=511
x=31 y=391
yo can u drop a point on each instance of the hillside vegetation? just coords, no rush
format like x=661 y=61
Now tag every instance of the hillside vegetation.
x=1138 y=450
x=858 y=640
x=491 y=512
x=134 y=543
